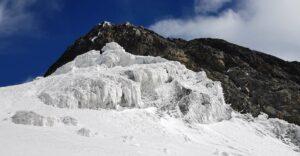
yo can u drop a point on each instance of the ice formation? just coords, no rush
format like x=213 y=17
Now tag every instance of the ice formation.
x=31 y=118
x=68 y=120
x=116 y=79
x=288 y=133
x=115 y=102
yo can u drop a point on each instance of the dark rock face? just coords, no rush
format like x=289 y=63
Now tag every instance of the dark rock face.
x=253 y=82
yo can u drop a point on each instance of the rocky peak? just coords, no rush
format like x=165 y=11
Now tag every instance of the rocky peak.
x=253 y=82
x=127 y=35
x=105 y=24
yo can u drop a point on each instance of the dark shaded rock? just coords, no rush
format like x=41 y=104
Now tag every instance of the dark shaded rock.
x=84 y=132
x=31 y=118
x=252 y=81
x=68 y=120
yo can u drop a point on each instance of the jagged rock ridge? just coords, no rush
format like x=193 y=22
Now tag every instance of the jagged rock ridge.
x=253 y=82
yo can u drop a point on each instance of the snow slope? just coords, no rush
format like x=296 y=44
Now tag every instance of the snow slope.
x=116 y=103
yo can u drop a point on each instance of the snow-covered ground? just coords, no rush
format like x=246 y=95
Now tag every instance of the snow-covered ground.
x=116 y=103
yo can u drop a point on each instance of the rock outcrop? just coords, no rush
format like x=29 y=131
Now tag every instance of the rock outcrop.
x=253 y=82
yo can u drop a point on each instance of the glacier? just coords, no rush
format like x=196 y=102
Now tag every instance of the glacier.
x=111 y=102
x=117 y=79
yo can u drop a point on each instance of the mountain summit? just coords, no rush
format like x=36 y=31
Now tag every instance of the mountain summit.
x=252 y=81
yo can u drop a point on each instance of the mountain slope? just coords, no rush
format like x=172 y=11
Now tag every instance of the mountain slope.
x=253 y=82
x=116 y=103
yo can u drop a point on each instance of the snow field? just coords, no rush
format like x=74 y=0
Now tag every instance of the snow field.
x=116 y=103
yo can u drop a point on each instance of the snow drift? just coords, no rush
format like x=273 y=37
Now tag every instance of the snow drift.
x=115 y=103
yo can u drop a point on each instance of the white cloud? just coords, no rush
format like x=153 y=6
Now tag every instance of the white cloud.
x=209 y=6
x=17 y=15
x=267 y=25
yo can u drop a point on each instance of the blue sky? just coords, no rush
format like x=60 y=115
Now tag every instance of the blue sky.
x=27 y=52
x=34 y=33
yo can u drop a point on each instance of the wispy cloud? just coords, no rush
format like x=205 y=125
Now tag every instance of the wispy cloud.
x=266 y=25
x=209 y=6
x=18 y=15
x=28 y=79
x=15 y=15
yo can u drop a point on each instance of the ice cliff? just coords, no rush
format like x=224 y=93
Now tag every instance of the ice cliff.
x=115 y=79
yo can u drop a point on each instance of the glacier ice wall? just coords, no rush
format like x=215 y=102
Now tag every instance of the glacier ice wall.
x=116 y=79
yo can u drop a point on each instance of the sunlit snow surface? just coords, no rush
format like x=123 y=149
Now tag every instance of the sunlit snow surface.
x=116 y=103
